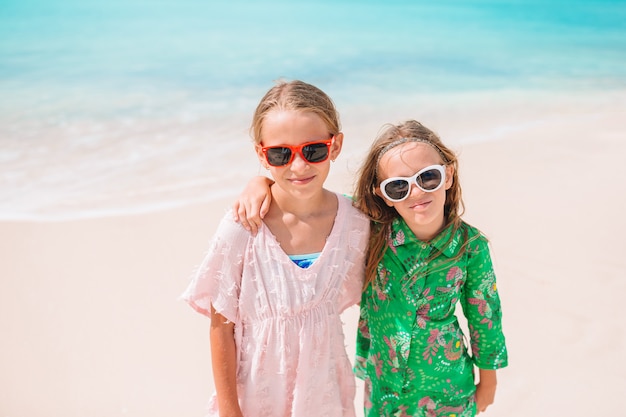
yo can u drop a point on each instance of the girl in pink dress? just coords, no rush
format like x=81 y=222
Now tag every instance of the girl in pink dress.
x=275 y=297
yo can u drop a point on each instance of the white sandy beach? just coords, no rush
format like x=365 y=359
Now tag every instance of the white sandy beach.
x=91 y=324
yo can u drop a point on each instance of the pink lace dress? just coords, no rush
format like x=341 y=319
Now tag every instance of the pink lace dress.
x=292 y=359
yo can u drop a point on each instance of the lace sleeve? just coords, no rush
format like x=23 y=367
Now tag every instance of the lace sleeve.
x=218 y=279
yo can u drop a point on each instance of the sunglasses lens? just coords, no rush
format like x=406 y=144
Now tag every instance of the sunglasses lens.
x=315 y=152
x=397 y=189
x=278 y=156
x=429 y=180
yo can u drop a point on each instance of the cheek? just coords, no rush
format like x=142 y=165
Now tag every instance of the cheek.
x=444 y=197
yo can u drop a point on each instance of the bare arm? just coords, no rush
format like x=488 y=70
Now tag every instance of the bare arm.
x=486 y=389
x=224 y=362
x=253 y=203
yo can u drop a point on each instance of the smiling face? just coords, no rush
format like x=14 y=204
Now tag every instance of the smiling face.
x=299 y=178
x=422 y=211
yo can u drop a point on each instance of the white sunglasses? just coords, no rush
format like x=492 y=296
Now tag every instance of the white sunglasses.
x=429 y=179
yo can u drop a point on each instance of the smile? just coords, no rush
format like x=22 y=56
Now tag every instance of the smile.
x=421 y=205
x=298 y=181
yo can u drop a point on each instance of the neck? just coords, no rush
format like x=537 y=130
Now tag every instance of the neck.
x=301 y=206
x=426 y=232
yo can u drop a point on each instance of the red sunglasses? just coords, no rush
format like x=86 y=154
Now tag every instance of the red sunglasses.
x=312 y=152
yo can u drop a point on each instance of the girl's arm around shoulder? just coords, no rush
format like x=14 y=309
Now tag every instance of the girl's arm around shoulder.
x=253 y=203
x=224 y=363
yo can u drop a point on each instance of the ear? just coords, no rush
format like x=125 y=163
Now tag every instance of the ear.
x=335 y=148
x=259 y=153
x=449 y=176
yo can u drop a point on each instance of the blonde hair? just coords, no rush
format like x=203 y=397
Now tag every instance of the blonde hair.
x=295 y=95
x=380 y=214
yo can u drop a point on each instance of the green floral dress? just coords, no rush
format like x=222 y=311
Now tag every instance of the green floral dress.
x=411 y=351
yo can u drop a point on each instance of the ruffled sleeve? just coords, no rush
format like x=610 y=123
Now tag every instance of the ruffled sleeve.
x=218 y=279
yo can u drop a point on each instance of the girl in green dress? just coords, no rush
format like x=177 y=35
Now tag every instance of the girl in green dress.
x=423 y=259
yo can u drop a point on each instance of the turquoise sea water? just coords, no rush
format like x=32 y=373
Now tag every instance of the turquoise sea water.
x=137 y=101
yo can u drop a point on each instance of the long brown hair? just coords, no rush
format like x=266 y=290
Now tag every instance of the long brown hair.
x=380 y=214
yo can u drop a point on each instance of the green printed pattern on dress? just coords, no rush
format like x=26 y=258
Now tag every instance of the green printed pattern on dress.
x=410 y=348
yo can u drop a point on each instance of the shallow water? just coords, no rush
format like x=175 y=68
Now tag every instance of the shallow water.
x=124 y=106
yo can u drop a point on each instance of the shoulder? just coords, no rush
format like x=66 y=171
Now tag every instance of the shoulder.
x=353 y=225
x=345 y=204
x=229 y=228
x=475 y=239
x=471 y=232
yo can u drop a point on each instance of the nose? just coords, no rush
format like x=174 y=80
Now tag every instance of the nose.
x=415 y=190
x=298 y=163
